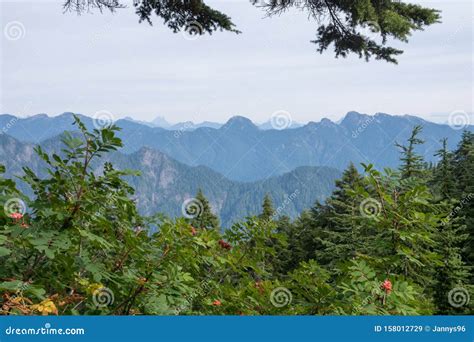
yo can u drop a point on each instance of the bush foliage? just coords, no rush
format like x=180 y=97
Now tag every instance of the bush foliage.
x=383 y=243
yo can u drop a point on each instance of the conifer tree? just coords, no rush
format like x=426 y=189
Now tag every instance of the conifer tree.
x=451 y=235
x=267 y=209
x=464 y=175
x=302 y=240
x=339 y=229
x=452 y=272
x=412 y=163
x=204 y=217
x=404 y=226
x=443 y=178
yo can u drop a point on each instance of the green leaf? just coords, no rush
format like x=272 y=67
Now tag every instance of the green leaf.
x=13 y=285
x=4 y=251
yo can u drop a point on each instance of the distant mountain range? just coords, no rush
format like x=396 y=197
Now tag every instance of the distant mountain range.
x=165 y=184
x=161 y=122
x=186 y=126
x=241 y=151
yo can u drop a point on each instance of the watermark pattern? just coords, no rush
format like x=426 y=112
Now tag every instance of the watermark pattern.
x=14 y=30
x=458 y=120
x=281 y=120
x=8 y=125
x=288 y=199
x=185 y=127
x=46 y=330
x=192 y=30
x=370 y=207
x=103 y=297
x=281 y=297
x=202 y=290
x=458 y=297
x=458 y=208
x=102 y=119
x=20 y=289
x=14 y=206
x=362 y=127
x=370 y=30
x=192 y=208
x=295 y=3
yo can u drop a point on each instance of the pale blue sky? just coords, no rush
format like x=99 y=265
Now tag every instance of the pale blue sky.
x=64 y=62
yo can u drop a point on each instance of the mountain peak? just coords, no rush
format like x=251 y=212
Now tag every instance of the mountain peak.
x=160 y=121
x=326 y=122
x=354 y=118
x=240 y=122
x=353 y=114
x=39 y=116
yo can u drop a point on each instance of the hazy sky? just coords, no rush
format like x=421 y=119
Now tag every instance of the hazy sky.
x=64 y=62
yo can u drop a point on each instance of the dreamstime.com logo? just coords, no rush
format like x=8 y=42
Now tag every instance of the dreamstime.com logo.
x=370 y=207
x=458 y=297
x=103 y=297
x=46 y=330
x=459 y=120
x=14 y=30
x=281 y=120
x=370 y=30
x=281 y=297
x=103 y=119
x=192 y=208
x=192 y=30
x=14 y=206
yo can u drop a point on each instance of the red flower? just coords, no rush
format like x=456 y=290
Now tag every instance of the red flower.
x=217 y=302
x=193 y=231
x=24 y=225
x=16 y=216
x=387 y=286
x=225 y=245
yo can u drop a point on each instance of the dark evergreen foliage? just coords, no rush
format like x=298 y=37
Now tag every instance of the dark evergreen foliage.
x=340 y=23
x=267 y=208
x=204 y=218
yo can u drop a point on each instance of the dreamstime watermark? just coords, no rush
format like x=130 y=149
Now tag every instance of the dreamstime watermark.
x=192 y=30
x=103 y=119
x=183 y=128
x=464 y=201
x=103 y=297
x=201 y=291
x=362 y=127
x=192 y=208
x=370 y=207
x=281 y=120
x=14 y=30
x=14 y=206
x=46 y=330
x=287 y=201
x=458 y=120
x=8 y=125
x=281 y=297
x=20 y=289
x=294 y=3
x=370 y=30
x=458 y=297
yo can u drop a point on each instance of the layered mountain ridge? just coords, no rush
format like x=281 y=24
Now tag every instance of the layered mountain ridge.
x=241 y=151
x=164 y=183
